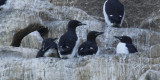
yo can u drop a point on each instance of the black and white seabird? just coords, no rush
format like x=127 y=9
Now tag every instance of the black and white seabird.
x=68 y=43
x=89 y=47
x=113 y=12
x=125 y=45
x=49 y=48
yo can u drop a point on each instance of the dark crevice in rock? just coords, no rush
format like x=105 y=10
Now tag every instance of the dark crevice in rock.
x=43 y=32
x=17 y=38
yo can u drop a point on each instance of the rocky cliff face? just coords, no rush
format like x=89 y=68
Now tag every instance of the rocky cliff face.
x=20 y=17
x=20 y=64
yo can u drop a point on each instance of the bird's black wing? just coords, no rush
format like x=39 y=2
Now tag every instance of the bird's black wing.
x=67 y=43
x=82 y=49
x=46 y=44
x=45 y=47
x=87 y=48
x=40 y=54
x=131 y=48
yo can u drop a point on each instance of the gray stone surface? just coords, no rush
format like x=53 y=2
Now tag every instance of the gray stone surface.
x=103 y=67
x=155 y=51
x=141 y=14
x=151 y=75
x=17 y=52
x=141 y=23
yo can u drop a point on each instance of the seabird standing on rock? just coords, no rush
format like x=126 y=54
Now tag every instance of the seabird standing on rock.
x=89 y=47
x=49 y=48
x=113 y=12
x=125 y=46
x=68 y=43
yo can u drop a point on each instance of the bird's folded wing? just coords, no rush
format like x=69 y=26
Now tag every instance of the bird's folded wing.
x=132 y=48
x=40 y=53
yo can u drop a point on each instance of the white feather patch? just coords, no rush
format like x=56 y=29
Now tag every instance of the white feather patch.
x=81 y=49
x=121 y=48
x=91 y=47
x=49 y=52
x=122 y=18
x=98 y=52
x=67 y=46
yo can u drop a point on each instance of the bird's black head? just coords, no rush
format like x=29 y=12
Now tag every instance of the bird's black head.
x=74 y=23
x=92 y=35
x=124 y=39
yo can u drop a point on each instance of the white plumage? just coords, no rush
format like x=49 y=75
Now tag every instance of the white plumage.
x=50 y=52
x=121 y=48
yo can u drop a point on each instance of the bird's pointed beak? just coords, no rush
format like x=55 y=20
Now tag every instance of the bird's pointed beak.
x=82 y=24
x=118 y=37
x=99 y=33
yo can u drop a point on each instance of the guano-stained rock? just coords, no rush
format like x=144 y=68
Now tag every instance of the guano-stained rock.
x=141 y=23
x=103 y=67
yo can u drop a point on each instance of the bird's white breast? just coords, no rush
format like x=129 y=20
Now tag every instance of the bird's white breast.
x=122 y=49
x=50 y=52
x=98 y=51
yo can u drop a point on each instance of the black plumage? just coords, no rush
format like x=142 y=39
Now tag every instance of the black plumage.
x=89 y=47
x=2 y=2
x=46 y=45
x=131 y=48
x=68 y=40
x=114 y=10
